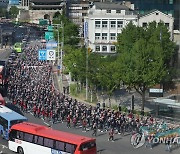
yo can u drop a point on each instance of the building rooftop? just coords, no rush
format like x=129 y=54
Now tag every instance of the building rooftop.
x=110 y=6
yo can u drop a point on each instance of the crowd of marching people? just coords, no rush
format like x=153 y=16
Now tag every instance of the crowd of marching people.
x=31 y=88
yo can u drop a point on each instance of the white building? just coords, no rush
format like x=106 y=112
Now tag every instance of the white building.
x=106 y=20
x=157 y=16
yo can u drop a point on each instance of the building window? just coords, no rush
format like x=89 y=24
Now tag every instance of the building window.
x=113 y=24
x=113 y=48
x=144 y=24
x=120 y=24
x=167 y=25
x=170 y=1
x=104 y=48
x=157 y=13
x=112 y=36
x=118 y=11
x=104 y=36
x=108 y=11
x=97 y=24
x=104 y=24
x=97 y=36
x=97 y=47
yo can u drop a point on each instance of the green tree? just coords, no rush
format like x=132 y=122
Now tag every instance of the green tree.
x=144 y=61
x=107 y=76
x=14 y=11
x=75 y=62
x=71 y=30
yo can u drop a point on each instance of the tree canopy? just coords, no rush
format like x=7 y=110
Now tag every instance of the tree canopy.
x=71 y=30
x=13 y=12
x=144 y=56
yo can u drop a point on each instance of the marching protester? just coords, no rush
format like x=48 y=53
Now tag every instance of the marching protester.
x=111 y=135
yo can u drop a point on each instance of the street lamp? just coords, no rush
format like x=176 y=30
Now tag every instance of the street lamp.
x=60 y=60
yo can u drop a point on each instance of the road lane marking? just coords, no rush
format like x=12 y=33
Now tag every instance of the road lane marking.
x=46 y=124
x=3 y=146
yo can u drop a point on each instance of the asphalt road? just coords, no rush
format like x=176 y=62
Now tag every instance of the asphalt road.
x=120 y=146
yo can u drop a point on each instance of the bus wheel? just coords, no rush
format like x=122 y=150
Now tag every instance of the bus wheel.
x=20 y=150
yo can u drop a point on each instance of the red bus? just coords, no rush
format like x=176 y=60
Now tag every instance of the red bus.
x=29 y=138
x=2 y=101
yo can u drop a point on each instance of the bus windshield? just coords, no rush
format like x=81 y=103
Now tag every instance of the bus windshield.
x=12 y=122
x=87 y=146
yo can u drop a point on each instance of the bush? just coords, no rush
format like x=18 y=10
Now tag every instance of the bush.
x=73 y=90
x=124 y=109
x=115 y=107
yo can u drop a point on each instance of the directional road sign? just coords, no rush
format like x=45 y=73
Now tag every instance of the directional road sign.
x=51 y=54
x=51 y=44
x=42 y=54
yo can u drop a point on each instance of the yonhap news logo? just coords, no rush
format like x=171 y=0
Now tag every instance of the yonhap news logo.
x=138 y=140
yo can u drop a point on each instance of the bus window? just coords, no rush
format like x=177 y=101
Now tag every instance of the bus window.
x=28 y=137
x=35 y=139
x=59 y=145
x=19 y=135
x=13 y=135
x=40 y=140
x=49 y=143
x=70 y=148
x=4 y=123
x=86 y=146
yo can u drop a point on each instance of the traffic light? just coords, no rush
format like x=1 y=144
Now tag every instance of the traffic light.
x=89 y=50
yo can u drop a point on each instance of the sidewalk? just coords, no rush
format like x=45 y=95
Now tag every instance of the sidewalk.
x=121 y=96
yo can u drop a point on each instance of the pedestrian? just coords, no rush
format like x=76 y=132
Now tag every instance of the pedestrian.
x=94 y=129
x=74 y=121
x=68 y=121
x=84 y=122
x=111 y=135
x=168 y=143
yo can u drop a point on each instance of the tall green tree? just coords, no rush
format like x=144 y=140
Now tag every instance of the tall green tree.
x=70 y=29
x=14 y=11
x=107 y=77
x=144 y=62
x=75 y=62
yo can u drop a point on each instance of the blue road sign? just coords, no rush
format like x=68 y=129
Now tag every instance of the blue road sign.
x=42 y=55
x=59 y=67
x=51 y=44
x=85 y=29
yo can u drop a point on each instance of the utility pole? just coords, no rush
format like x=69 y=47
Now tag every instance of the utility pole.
x=62 y=46
x=60 y=55
x=86 y=70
